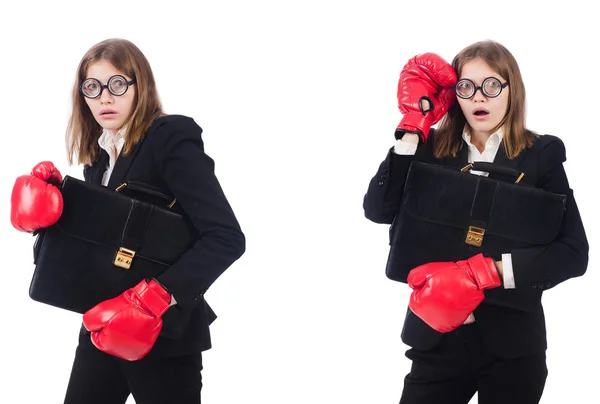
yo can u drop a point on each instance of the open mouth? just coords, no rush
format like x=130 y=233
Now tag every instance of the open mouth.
x=481 y=113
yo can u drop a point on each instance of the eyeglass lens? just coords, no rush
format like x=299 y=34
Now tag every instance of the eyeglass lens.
x=491 y=87
x=117 y=85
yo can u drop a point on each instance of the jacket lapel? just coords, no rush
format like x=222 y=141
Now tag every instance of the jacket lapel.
x=461 y=159
x=122 y=166
x=98 y=168
x=502 y=160
x=120 y=169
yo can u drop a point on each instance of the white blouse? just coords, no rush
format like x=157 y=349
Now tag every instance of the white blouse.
x=113 y=146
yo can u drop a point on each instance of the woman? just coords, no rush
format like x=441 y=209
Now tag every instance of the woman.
x=495 y=347
x=120 y=133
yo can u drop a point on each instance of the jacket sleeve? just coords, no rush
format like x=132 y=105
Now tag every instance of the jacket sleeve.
x=189 y=173
x=566 y=257
x=383 y=197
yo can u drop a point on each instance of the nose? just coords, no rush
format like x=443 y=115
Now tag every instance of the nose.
x=105 y=96
x=478 y=96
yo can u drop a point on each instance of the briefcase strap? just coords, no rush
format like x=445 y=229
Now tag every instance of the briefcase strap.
x=481 y=211
x=146 y=189
x=494 y=168
x=135 y=227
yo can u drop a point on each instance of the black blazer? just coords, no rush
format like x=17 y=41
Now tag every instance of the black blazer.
x=514 y=325
x=171 y=158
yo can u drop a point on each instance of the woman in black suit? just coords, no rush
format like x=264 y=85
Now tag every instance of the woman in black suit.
x=148 y=341
x=495 y=343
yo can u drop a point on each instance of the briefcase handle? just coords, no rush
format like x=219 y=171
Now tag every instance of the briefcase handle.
x=146 y=189
x=494 y=168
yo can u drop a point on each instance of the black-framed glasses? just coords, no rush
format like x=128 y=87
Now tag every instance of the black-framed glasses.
x=117 y=85
x=491 y=87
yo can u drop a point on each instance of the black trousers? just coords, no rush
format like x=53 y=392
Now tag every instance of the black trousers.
x=461 y=365
x=99 y=378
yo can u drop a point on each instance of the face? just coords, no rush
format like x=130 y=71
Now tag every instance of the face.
x=110 y=111
x=483 y=113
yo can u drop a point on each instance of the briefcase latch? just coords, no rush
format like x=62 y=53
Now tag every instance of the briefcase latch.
x=475 y=236
x=124 y=258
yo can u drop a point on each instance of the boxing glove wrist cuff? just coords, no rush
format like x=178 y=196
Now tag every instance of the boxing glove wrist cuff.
x=416 y=123
x=485 y=272
x=153 y=296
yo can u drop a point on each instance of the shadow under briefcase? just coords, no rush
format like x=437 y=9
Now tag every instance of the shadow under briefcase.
x=106 y=242
x=449 y=214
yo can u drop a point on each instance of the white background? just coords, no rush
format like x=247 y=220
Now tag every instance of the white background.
x=298 y=105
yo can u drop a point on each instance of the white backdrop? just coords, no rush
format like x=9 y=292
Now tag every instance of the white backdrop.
x=297 y=102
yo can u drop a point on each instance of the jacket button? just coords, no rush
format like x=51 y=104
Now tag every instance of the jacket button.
x=380 y=183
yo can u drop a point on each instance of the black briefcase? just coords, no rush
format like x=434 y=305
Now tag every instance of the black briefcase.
x=449 y=214
x=106 y=242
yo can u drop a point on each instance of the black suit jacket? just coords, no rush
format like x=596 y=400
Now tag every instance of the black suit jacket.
x=514 y=324
x=170 y=157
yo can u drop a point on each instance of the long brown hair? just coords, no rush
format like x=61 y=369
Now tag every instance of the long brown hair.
x=83 y=131
x=516 y=136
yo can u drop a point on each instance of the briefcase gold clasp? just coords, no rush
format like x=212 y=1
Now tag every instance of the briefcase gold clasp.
x=475 y=236
x=124 y=258
x=466 y=168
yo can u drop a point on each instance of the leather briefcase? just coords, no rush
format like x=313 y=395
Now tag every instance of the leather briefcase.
x=449 y=214
x=106 y=242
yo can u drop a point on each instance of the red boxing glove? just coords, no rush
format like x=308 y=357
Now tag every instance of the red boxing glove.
x=128 y=325
x=424 y=77
x=36 y=201
x=445 y=293
x=47 y=172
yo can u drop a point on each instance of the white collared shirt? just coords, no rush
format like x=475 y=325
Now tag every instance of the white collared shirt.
x=488 y=155
x=113 y=146
x=489 y=152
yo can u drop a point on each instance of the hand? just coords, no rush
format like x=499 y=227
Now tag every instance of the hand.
x=128 y=325
x=500 y=268
x=36 y=201
x=445 y=293
x=410 y=137
x=425 y=93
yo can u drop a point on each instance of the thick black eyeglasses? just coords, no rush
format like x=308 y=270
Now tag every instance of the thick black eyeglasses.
x=117 y=85
x=491 y=87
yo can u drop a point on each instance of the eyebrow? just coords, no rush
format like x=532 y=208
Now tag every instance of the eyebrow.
x=118 y=74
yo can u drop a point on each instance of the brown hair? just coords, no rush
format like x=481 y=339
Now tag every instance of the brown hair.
x=517 y=137
x=83 y=131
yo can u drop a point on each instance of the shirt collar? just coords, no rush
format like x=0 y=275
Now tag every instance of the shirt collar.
x=493 y=140
x=105 y=140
